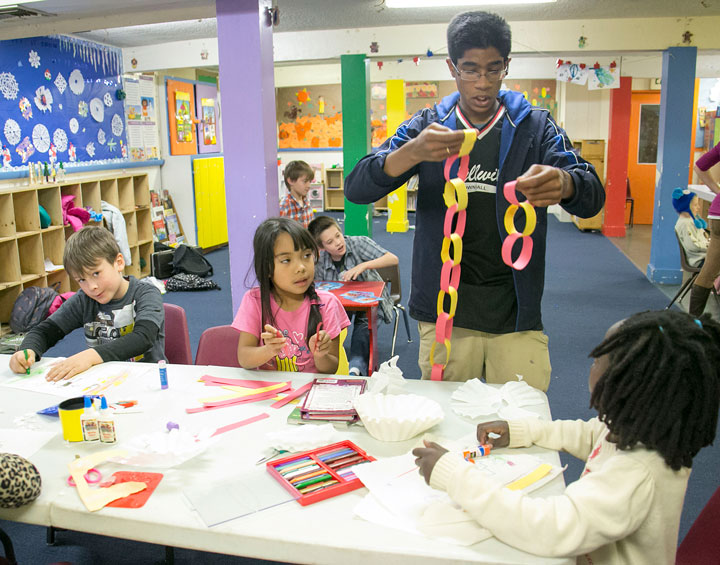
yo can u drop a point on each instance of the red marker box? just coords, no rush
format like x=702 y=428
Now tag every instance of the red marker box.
x=321 y=473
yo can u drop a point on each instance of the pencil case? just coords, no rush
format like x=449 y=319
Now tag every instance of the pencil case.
x=321 y=473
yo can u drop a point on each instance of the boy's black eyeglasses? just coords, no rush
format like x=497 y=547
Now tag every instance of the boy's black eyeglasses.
x=493 y=75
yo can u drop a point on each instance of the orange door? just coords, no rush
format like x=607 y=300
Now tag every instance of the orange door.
x=642 y=157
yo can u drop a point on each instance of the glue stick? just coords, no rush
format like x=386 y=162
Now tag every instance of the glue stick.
x=88 y=421
x=163 y=375
x=106 y=423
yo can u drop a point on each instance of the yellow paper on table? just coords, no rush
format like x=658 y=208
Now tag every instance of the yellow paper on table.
x=530 y=478
x=241 y=391
x=97 y=498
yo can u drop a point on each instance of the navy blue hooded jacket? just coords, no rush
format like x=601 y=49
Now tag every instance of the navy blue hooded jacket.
x=529 y=136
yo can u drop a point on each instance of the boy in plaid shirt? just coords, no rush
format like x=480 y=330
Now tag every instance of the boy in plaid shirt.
x=345 y=258
x=298 y=176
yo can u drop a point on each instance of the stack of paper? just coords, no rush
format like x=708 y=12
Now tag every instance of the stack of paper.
x=332 y=399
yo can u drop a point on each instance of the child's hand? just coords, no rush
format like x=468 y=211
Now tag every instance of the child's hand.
x=427 y=457
x=499 y=427
x=18 y=363
x=319 y=343
x=71 y=366
x=354 y=273
x=274 y=339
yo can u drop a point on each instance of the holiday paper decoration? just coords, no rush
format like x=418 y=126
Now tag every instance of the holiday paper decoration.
x=8 y=86
x=12 y=132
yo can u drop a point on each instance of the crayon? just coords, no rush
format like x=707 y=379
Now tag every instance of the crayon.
x=300 y=472
x=319 y=486
x=27 y=369
x=295 y=465
x=345 y=460
x=306 y=476
x=326 y=458
x=323 y=477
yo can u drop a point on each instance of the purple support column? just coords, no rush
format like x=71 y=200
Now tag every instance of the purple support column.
x=247 y=86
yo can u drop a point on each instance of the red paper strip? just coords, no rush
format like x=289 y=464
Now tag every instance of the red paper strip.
x=241 y=423
x=249 y=398
x=292 y=396
x=219 y=381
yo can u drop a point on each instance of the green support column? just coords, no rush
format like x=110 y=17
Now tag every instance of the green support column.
x=355 y=76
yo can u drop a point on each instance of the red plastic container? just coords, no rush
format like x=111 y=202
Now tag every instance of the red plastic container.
x=319 y=472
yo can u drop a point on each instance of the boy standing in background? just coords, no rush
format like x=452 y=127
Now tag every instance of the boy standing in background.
x=123 y=318
x=351 y=258
x=298 y=176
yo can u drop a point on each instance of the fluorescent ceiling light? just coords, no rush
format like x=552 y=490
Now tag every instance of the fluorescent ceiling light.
x=451 y=3
x=17 y=2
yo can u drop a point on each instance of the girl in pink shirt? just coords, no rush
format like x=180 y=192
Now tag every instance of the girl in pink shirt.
x=284 y=324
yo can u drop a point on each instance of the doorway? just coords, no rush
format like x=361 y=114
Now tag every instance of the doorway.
x=642 y=152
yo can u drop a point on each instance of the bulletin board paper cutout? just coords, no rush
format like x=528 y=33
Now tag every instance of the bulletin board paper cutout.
x=571 y=72
x=143 y=141
x=181 y=117
x=48 y=81
x=208 y=109
x=604 y=78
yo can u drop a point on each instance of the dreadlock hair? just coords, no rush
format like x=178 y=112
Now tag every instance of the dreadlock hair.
x=264 y=249
x=662 y=385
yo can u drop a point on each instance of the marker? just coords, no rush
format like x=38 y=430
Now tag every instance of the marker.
x=320 y=479
x=27 y=369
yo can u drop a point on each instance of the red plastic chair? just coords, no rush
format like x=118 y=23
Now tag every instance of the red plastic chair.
x=177 y=338
x=702 y=543
x=218 y=346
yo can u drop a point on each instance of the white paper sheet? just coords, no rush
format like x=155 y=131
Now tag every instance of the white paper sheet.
x=23 y=442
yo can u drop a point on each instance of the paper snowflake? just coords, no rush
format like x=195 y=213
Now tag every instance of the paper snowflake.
x=97 y=110
x=82 y=109
x=108 y=99
x=34 y=59
x=43 y=99
x=77 y=82
x=60 y=83
x=41 y=138
x=12 y=132
x=90 y=148
x=74 y=126
x=117 y=125
x=8 y=86
x=101 y=137
x=60 y=139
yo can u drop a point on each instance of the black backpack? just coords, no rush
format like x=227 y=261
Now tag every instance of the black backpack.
x=31 y=307
x=189 y=260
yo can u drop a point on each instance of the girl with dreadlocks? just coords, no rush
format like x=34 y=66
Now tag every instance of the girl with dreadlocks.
x=655 y=383
x=280 y=320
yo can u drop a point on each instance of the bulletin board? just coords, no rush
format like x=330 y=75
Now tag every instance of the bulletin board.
x=59 y=101
x=181 y=117
x=141 y=111
x=207 y=108
x=309 y=117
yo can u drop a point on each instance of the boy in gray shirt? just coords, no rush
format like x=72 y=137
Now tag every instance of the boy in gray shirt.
x=123 y=319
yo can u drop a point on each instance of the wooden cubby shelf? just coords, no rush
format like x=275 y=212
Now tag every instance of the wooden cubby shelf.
x=25 y=245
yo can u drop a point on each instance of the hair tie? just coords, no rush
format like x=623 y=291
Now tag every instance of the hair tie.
x=699 y=323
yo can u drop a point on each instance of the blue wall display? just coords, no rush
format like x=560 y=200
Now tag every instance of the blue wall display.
x=59 y=102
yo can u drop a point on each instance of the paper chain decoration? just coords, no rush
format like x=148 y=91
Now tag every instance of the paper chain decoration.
x=513 y=235
x=456 y=200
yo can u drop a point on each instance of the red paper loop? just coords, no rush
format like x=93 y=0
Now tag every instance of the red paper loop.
x=449 y=215
x=462 y=168
x=437 y=373
x=443 y=328
x=525 y=253
x=448 y=165
x=449 y=276
x=509 y=192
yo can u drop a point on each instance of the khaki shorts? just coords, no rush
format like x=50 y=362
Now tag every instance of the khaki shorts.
x=498 y=358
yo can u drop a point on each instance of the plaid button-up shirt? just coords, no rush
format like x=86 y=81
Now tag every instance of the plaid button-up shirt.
x=289 y=208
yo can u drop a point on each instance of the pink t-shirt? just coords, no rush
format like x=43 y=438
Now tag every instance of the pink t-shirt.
x=704 y=163
x=295 y=356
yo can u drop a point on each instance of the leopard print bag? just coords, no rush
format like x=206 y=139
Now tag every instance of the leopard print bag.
x=19 y=481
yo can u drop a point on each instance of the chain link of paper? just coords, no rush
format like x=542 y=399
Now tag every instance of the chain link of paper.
x=455 y=196
x=513 y=235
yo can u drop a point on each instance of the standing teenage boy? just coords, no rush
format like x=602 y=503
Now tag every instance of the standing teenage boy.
x=352 y=258
x=497 y=329
x=298 y=176
x=123 y=318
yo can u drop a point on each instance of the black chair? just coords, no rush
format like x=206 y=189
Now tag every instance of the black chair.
x=629 y=199
x=391 y=276
x=694 y=272
x=7 y=548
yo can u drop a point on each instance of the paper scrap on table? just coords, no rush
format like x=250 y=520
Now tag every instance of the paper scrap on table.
x=23 y=442
x=165 y=449
x=474 y=398
x=400 y=498
x=302 y=438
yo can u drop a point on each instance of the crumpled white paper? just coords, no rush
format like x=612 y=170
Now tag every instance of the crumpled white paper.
x=475 y=398
x=388 y=378
x=165 y=449
x=303 y=438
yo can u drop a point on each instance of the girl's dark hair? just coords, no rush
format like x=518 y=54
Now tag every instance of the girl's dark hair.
x=478 y=30
x=662 y=385
x=264 y=248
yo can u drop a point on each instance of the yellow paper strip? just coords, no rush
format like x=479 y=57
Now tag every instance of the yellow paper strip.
x=530 y=478
x=241 y=391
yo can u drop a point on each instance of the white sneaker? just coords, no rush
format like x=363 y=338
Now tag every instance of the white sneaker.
x=354 y=371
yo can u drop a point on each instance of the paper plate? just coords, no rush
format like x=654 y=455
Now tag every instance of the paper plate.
x=397 y=417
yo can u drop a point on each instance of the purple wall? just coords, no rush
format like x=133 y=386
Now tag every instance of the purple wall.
x=249 y=128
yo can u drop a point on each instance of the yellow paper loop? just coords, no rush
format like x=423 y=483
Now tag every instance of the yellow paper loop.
x=468 y=142
x=456 y=241
x=446 y=343
x=455 y=193
x=453 y=301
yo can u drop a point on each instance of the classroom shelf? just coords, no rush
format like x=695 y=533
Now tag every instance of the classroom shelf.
x=25 y=245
